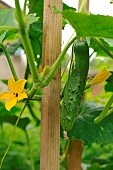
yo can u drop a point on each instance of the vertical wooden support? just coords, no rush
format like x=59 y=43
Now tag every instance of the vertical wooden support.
x=75 y=154
x=50 y=118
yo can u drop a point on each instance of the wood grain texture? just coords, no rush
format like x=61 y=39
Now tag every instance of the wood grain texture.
x=75 y=155
x=50 y=117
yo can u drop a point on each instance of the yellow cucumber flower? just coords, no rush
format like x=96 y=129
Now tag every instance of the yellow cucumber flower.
x=100 y=77
x=16 y=92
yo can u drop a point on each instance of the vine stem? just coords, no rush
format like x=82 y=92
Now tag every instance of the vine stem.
x=12 y=136
x=30 y=151
x=21 y=18
x=109 y=112
x=9 y=62
x=104 y=112
x=82 y=5
x=24 y=9
x=103 y=47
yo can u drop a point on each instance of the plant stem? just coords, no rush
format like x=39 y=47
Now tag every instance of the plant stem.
x=25 y=6
x=82 y=5
x=32 y=113
x=58 y=62
x=104 y=112
x=1 y=163
x=37 y=97
x=109 y=112
x=30 y=151
x=65 y=67
x=103 y=47
x=32 y=92
x=9 y=62
x=87 y=86
x=26 y=74
x=65 y=151
x=26 y=41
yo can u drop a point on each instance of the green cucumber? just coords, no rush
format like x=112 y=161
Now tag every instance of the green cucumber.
x=75 y=85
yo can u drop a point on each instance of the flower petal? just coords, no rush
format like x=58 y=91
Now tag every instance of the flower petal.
x=10 y=103
x=11 y=84
x=16 y=87
x=19 y=85
x=6 y=95
x=100 y=77
x=22 y=95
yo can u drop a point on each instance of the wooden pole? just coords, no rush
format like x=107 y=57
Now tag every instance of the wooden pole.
x=50 y=117
x=75 y=155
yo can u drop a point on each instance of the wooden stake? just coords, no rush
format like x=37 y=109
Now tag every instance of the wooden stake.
x=75 y=154
x=50 y=118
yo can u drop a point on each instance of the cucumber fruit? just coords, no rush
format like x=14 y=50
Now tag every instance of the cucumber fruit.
x=75 y=85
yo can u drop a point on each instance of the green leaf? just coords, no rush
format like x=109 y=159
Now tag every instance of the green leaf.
x=85 y=129
x=37 y=8
x=8 y=19
x=110 y=79
x=89 y=25
x=30 y=19
x=35 y=34
x=3 y=110
x=109 y=86
x=11 y=36
x=12 y=47
x=66 y=7
x=23 y=122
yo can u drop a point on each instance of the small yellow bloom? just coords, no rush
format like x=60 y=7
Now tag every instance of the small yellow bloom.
x=100 y=77
x=16 y=92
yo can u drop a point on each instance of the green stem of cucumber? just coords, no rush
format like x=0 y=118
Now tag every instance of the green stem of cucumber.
x=104 y=112
x=9 y=62
x=23 y=27
x=103 y=47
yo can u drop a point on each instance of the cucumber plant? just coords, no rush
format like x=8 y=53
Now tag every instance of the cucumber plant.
x=75 y=85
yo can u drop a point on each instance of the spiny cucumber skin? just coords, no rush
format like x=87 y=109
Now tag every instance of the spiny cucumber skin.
x=74 y=88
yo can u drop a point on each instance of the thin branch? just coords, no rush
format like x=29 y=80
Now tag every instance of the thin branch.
x=9 y=62
x=103 y=47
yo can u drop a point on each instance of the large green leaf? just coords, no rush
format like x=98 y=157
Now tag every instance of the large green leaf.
x=8 y=20
x=89 y=25
x=85 y=129
x=23 y=122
